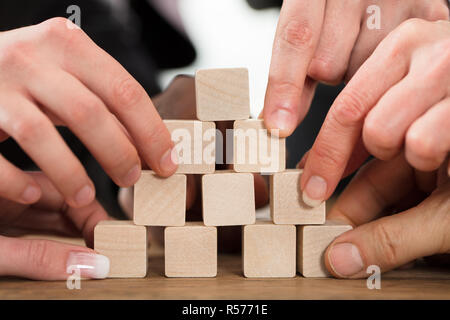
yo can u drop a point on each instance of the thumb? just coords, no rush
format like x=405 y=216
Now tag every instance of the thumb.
x=49 y=260
x=395 y=240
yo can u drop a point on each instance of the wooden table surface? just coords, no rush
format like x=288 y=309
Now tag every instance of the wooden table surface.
x=421 y=282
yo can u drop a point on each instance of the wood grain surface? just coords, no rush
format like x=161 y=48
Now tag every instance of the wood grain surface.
x=421 y=282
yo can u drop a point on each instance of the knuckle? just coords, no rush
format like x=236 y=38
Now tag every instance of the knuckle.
x=125 y=159
x=55 y=27
x=286 y=86
x=349 y=108
x=27 y=129
x=421 y=145
x=156 y=132
x=329 y=157
x=15 y=54
x=38 y=253
x=85 y=110
x=326 y=70
x=298 y=35
x=410 y=28
x=127 y=92
x=387 y=244
x=378 y=138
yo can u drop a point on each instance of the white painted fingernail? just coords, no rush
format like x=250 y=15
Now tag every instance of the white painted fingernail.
x=315 y=191
x=90 y=265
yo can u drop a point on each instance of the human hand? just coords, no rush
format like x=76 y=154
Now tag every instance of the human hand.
x=327 y=41
x=398 y=101
x=421 y=228
x=53 y=74
x=44 y=259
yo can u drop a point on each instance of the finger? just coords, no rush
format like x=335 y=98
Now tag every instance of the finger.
x=428 y=138
x=84 y=219
x=339 y=33
x=377 y=186
x=89 y=119
x=123 y=95
x=37 y=136
x=358 y=157
x=393 y=241
x=16 y=185
x=49 y=260
x=386 y=124
x=288 y=88
x=327 y=159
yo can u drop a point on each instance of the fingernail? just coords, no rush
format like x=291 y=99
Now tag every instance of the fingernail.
x=169 y=160
x=345 y=259
x=90 y=265
x=85 y=196
x=31 y=194
x=315 y=191
x=281 y=119
x=132 y=176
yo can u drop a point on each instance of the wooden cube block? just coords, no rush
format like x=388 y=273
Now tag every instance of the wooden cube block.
x=228 y=198
x=195 y=142
x=255 y=149
x=312 y=242
x=160 y=201
x=222 y=94
x=125 y=244
x=286 y=202
x=269 y=250
x=190 y=251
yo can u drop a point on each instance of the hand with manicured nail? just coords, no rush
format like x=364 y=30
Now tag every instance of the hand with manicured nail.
x=421 y=228
x=327 y=41
x=54 y=74
x=44 y=259
x=398 y=101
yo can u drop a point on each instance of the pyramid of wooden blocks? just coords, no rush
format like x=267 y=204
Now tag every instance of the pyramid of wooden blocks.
x=195 y=141
x=160 y=201
x=222 y=94
x=228 y=199
x=125 y=244
x=190 y=251
x=255 y=149
x=286 y=203
x=268 y=250
x=312 y=242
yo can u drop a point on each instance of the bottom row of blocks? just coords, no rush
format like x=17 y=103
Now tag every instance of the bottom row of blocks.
x=269 y=250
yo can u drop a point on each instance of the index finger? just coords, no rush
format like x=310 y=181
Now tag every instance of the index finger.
x=295 y=41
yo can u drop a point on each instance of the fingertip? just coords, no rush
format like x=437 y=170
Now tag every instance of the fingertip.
x=168 y=164
x=280 y=123
x=83 y=197
x=31 y=194
x=343 y=260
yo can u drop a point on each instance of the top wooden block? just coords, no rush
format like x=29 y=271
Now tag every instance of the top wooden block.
x=195 y=142
x=222 y=94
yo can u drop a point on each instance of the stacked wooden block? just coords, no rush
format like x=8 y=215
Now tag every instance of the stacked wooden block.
x=295 y=239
